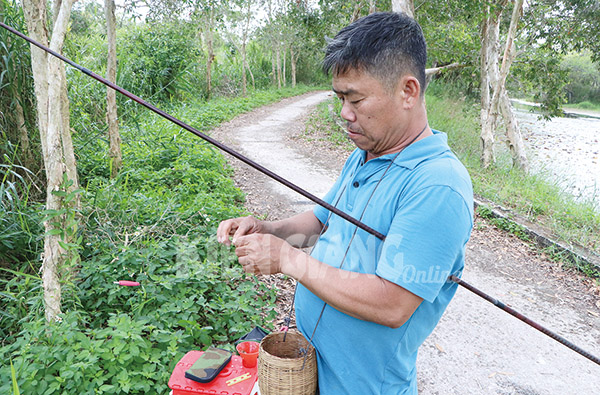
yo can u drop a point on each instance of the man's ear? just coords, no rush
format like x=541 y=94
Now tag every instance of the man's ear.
x=410 y=91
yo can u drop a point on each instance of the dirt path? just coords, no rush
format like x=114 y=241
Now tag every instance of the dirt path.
x=476 y=348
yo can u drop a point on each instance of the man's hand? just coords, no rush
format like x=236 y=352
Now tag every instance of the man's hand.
x=237 y=227
x=261 y=253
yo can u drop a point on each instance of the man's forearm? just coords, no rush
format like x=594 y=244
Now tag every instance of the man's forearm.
x=364 y=296
x=301 y=230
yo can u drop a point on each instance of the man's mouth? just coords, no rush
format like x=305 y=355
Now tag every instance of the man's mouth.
x=351 y=133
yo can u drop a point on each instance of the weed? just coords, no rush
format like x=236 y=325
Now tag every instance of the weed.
x=504 y=224
x=155 y=223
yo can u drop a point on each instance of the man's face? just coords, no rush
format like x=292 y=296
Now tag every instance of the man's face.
x=376 y=120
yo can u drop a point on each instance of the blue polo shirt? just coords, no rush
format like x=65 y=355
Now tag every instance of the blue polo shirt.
x=424 y=206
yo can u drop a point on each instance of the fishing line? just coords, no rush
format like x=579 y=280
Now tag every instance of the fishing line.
x=293 y=187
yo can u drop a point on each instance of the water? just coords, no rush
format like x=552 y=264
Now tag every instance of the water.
x=565 y=149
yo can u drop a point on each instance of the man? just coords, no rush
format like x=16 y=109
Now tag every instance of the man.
x=367 y=304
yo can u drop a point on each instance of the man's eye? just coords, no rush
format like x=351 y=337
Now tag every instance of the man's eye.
x=356 y=101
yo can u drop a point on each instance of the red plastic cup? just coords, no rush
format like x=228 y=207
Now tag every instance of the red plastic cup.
x=249 y=353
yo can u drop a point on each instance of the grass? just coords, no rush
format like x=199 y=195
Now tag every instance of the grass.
x=585 y=105
x=529 y=195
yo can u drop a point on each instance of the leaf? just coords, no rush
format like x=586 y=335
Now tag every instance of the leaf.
x=13 y=374
x=54 y=232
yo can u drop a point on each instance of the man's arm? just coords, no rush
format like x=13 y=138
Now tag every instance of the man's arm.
x=300 y=231
x=364 y=296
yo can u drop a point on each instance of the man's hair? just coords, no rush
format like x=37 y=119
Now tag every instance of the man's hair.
x=386 y=45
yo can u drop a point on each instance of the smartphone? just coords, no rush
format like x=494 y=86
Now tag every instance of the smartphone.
x=208 y=366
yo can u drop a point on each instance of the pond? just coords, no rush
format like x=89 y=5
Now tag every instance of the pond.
x=567 y=150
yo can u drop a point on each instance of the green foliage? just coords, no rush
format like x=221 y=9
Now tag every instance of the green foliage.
x=584 y=79
x=152 y=57
x=503 y=223
x=20 y=220
x=321 y=120
x=126 y=339
x=13 y=377
x=586 y=105
x=124 y=356
x=155 y=223
x=87 y=97
x=541 y=75
x=16 y=90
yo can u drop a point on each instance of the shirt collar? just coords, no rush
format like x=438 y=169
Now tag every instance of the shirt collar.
x=417 y=152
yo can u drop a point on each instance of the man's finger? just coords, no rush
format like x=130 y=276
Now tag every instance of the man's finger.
x=243 y=229
x=226 y=228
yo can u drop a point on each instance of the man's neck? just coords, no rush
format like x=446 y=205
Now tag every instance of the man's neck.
x=413 y=138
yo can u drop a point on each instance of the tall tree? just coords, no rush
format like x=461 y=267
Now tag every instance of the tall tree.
x=239 y=17
x=494 y=97
x=114 y=137
x=57 y=148
x=207 y=14
x=406 y=6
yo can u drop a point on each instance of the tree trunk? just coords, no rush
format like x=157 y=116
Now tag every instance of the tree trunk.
x=273 y=43
x=65 y=135
x=251 y=74
x=486 y=56
x=273 y=68
x=373 y=7
x=65 y=128
x=356 y=12
x=244 y=91
x=209 y=61
x=244 y=44
x=493 y=84
x=514 y=139
x=513 y=133
x=490 y=32
x=48 y=73
x=283 y=73
x=114 y=137
x=278 y=60
x=405 y=6
x=36 y=16
x=293 y=60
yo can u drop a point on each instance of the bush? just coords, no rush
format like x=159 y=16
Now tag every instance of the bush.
x=155 y=223
x=153 y=56
x=586 y=105
x=20 y=220
x=584 y=78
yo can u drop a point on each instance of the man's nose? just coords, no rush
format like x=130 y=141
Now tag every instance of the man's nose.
x=347 y=113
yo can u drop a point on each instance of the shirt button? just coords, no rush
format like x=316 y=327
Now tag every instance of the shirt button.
x=356 y=184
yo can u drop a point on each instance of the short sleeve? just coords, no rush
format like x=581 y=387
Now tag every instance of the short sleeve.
x=426 y=240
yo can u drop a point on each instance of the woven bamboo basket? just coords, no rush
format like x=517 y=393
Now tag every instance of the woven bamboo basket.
x=283 y=368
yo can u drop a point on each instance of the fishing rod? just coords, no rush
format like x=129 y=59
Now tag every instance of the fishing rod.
x=198 y=133
x=295 y=188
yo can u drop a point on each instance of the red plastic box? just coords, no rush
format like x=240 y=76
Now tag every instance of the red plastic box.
x=182 y=386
